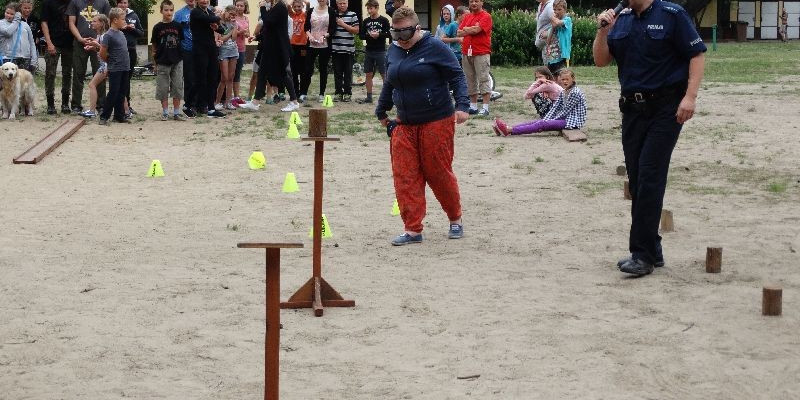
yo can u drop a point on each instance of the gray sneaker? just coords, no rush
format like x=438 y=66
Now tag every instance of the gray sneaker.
x=456 y=231
x=637 y=267
x=483 y=112
x=178 y=117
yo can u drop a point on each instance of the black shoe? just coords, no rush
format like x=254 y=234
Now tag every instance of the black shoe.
x=65 y=109
x=472 y=111
x=659 y=261
x=637 y=267
x=103 y=121
x=346 y=98
x=189 y=112
x=77 y=109
x=367 y=100
x=122 y=121
x=215 y=114
x=51 y=110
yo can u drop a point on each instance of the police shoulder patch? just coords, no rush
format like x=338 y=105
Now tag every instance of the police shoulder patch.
x=671 y=8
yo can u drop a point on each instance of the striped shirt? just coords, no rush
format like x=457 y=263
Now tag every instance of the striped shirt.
x=344 y=41
x=571 y=108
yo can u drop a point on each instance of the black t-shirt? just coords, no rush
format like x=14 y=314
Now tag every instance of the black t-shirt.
x=36 y=27
x=54 y=12
x=166 y=40
x=380 y=24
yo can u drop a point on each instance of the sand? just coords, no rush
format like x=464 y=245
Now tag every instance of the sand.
x=117 y=285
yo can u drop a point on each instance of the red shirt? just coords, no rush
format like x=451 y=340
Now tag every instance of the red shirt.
x=482 y=42
x=299 y=37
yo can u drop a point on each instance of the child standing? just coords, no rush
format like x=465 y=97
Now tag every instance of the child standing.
x=343 y=48
x=375 y=30
x=228 y=57
x=784 y=24
x=114 y=51
x=133 y=31
x=544 y=91
x=100 y=25
x=243 y=26
x=559 y=43
x=568 y=112
x=16 y=39
x=166 y=40
x=299 y=42
x=447 y=30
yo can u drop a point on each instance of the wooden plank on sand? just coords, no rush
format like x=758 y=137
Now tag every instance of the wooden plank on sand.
x=50 y=142
x=573 y=135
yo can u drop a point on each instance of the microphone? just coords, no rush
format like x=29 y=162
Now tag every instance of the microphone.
x=622 y=5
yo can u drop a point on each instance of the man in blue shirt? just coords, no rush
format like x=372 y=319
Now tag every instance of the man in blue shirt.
x=660 y=65
x=182 y=17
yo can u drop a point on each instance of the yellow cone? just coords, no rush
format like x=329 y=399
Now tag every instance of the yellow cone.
x=155 y=169
x=257 y=160
x=328 y=102
x=326 y=229
x=292 y=133
x=290 y=183
x=295 y=118
x=395 y=208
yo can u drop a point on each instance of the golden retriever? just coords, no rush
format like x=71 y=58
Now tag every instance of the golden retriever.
x=18 y=91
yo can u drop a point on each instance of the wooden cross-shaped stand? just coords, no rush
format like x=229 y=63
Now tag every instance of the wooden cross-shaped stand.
x=316 y=293
x=273 y=318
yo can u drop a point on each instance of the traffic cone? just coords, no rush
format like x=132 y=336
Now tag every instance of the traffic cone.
x=395 y=208
x=326 y=229
x=290 y=183
x=257 y=160
x=328 y=102
x=292 y=133
x=155 y=169
x=295 y=118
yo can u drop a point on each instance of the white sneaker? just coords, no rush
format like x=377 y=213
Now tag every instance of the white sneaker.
x=218 y=106
x=229 y=106
x=250 y=106
x=321 y=98
x=301 y=99
x=292 y=106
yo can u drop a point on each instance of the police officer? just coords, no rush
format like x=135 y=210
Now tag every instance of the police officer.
x=660 y=62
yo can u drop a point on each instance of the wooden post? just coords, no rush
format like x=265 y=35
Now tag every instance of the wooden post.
x=318 y=122
x=627 y=192
x=666 y=221
x=621 y=171
x=771 y=299
x=713 y=260
x=272 y=311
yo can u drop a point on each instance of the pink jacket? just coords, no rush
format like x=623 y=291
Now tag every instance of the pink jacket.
x=550 y=89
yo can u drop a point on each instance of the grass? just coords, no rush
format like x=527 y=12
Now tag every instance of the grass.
x=597 y=161
x=777 y=186
x=593 y=188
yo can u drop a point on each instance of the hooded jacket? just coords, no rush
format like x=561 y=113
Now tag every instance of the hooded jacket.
x=131 y=35
x=26 y=48
x=449 y=29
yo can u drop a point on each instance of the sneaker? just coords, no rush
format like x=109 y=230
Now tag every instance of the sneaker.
x=366 y=100
x=472 y=111
x=321 y=98
x=129 y=114
x=496 y=129
x=103 y=122
x=347 y=97
x=501 y=126
x=249 y=106
x=51 y=110
x=456 y=231
x=281 y=97
x=236 y=102
x=65 y=109
x=292 y=106
x=659 y=261
x=189 y=112
x=131 y=111
x=88 y=114
x=123 y=121
x=301 y=99
x=230 y=106
x=636 y=267
x=405 y=239
x=165 y=117
x=216 y=114
x=219 y=107
x=483 y=112
x=77 y=109
x=178 y=117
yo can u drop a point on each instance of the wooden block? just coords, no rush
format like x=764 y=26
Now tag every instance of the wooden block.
x=771 y=299
x=573 y=135
x=627 y=191
x=50 y=142
x=318 y=122
x=261 y=245
x=621 y=171
x=666 y=221
x=713 y=260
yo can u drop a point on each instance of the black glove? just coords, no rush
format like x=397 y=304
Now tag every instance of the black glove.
x=390 y=127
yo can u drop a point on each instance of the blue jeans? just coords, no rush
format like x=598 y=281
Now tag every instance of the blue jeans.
x=649 y=135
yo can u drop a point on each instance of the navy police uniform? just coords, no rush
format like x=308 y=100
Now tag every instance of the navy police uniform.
x=652 y=51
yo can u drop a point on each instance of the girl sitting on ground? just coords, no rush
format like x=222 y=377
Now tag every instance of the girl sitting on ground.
x=568 y=112
x=100 y=26
x=544 y=92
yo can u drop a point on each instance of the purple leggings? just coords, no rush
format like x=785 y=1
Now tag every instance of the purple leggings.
x=540 y=125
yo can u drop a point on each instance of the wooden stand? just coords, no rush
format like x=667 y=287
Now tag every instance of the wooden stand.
x=666 y=221
x=713 y=260
x=50 y=142
x=771 y=299
x=573 y=135
x=273 y=315
x=627 y=191
x=316 y=293
x=621 y=171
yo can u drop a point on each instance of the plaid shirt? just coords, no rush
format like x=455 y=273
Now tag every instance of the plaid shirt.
x=572 y=108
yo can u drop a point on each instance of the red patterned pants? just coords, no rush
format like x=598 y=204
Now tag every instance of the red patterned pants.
x=423 y=154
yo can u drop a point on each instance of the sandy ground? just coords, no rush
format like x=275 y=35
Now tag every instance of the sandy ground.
x=117 y=285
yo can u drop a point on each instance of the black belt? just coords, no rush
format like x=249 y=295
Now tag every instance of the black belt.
x=662 y=92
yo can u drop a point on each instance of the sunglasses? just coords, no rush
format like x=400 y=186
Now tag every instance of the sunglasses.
x=403 y=33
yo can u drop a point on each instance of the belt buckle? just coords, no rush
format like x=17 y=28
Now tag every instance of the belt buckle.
x=638 y=97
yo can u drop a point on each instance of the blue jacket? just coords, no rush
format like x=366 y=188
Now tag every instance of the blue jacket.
x=182 y=17
x=418 y=82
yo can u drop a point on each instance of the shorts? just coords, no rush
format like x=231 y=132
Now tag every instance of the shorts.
x=169 y=81
x=228 y=52
x=476 y=69
x=375 y=61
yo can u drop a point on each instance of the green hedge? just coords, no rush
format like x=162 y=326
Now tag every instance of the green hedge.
x=513 y=34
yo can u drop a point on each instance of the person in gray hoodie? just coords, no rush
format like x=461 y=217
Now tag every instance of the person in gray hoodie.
x=16 y=39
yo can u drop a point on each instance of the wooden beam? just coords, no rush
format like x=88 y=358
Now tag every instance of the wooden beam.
x=50 y=142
